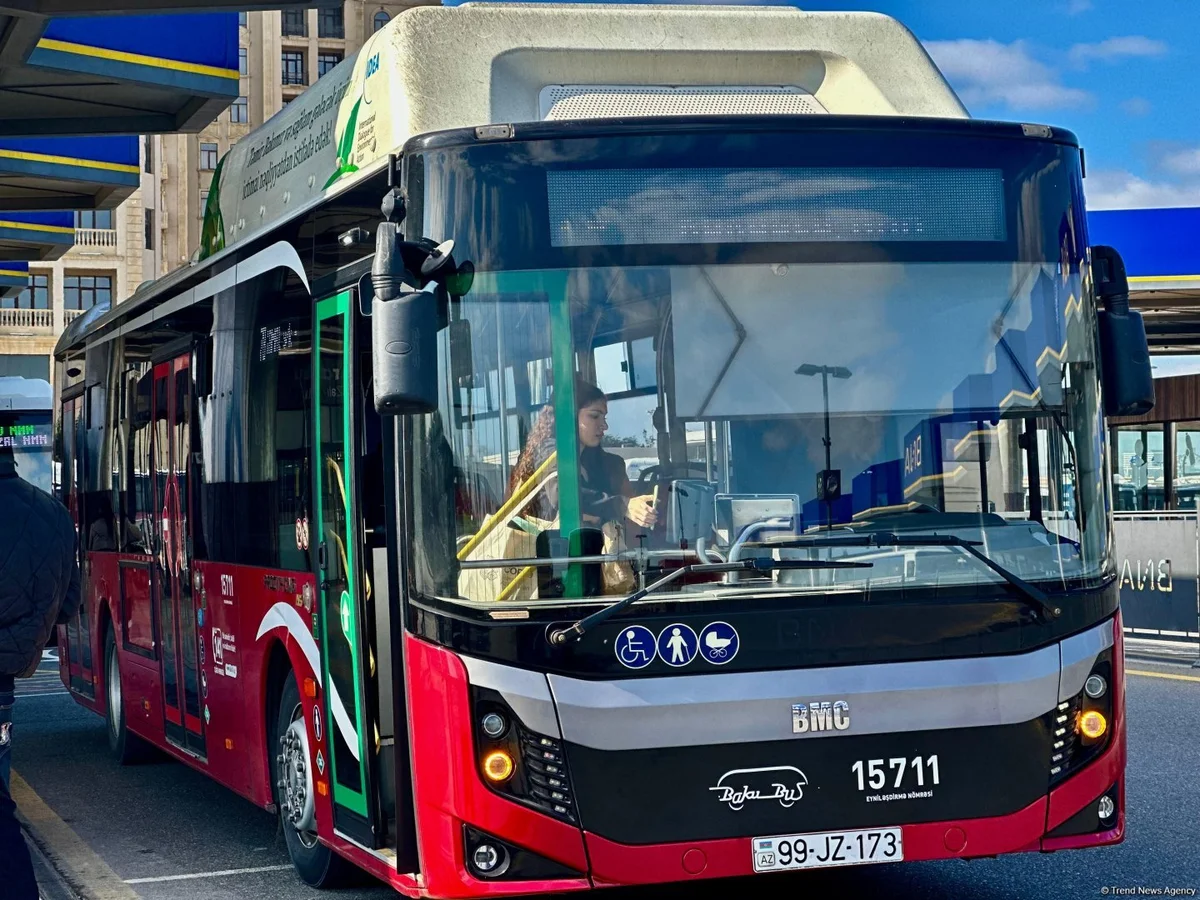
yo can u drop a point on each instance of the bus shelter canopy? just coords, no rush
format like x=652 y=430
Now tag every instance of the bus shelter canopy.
x=105 y=75
x=67 y=173
x=36 y=236
x=1162 y=259
x=14 y=278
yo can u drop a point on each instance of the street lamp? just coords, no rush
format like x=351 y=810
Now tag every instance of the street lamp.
x=829 y=486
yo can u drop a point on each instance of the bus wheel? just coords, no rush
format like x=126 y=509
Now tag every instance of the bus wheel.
x=126 y=748
x=315 y=863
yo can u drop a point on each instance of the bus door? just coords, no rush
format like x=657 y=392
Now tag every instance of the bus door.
x=79 y=647
x=175 y=623
x=345 y=583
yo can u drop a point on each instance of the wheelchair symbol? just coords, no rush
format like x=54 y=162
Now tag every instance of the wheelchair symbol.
x=636 y=647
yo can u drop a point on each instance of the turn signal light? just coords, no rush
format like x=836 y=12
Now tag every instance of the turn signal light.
x=498 y=766
x=1092 y=724
x=310 y=688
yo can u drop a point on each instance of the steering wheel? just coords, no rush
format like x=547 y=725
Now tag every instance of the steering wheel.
x=656 y=473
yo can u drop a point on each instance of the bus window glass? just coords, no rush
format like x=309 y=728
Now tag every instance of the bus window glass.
x=255 y=480
x=138 y=504
x=698 y=377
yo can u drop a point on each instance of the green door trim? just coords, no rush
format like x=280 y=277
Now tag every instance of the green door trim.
x=336 y=712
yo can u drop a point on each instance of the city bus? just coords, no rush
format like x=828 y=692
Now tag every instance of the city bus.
x=359 y=543
x=26 y=415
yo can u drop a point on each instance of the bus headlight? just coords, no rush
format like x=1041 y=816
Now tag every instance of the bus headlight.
x=1092 y=724
x=498 y=766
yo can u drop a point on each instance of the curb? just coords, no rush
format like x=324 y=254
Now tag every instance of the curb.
x=51 y=885
x=82 y=874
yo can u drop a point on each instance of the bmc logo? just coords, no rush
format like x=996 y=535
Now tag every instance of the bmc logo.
x=822 y=715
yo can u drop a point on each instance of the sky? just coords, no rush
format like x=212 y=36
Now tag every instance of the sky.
x=1124 y=75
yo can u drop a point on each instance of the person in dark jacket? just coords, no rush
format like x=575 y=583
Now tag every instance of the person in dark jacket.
x=39 y=588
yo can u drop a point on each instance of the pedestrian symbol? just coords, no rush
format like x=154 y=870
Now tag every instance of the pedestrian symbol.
x=635 y=647
x=719 y=643
x=677 y=645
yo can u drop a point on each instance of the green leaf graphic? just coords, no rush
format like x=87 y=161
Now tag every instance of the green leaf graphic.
x=212 y=231
x=346 y=146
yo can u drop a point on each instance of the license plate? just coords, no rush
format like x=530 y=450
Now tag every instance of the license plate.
x=827 y=848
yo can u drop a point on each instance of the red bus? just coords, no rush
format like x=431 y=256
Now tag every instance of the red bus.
x=668 y=487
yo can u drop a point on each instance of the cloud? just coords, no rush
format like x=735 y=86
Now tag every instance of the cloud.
x=988 y=73
x=1115 y=49
x=1183 y=162
x=1120 y=189
x=1136 y=106
x=1075 y=7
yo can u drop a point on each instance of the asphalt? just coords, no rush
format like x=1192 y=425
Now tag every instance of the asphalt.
x=160 y=831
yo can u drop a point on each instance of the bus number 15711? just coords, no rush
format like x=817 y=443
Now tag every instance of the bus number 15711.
x=872 y=773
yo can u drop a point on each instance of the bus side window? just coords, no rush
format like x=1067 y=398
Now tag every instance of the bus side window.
x=138 y=509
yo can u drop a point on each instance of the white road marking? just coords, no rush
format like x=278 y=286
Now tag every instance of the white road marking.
x=222 y=874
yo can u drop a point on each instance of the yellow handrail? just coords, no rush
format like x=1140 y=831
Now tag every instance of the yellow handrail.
x=520 y=495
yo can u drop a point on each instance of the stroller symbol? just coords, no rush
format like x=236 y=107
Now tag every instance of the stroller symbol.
x=720 y=643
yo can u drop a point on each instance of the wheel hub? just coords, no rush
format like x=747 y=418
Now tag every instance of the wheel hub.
x=295 y=781
x=113 y=678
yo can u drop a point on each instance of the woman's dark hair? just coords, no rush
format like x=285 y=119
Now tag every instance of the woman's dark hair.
x=542 y=442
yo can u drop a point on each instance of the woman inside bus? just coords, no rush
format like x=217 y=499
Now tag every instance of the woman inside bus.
x=606 y=492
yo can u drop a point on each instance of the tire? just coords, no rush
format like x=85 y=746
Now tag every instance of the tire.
x=127 y=748
x=315 y=863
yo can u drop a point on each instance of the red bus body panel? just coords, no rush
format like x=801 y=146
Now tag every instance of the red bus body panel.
x=449 y=791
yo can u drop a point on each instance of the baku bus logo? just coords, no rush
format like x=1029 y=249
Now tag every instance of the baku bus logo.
x=741 y=786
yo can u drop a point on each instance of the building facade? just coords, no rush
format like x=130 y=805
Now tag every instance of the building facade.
x=157 y=230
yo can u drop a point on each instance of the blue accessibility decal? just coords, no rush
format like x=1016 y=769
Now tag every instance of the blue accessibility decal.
x=677 y=645
x=719 y=643
x=635 y=647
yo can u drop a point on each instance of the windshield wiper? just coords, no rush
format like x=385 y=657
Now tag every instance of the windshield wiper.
x=759 y=564
x=1035 y=595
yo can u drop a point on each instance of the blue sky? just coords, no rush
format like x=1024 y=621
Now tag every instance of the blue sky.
x=1123 y=75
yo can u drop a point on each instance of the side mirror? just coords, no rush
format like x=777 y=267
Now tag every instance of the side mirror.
x=1124 y=353
x=404 y=326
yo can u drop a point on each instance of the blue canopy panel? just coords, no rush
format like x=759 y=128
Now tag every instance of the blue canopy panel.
x=36 y=236
x=14 y=278
x=1159 y=246
x=120 y=75
x=67 y=173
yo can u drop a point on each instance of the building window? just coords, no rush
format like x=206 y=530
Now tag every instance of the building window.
x=295 y=23
x=94 y=218
x=203 y=203
x=326 y=62
x=294 y=70
x=208 y=156
x=243 y=63
x=149 y=229
x=85 y=291
x=381 y=19
x=330 y=23
x=1138 y=469
x=242 y=19
x=148 y=154
x=239 y=113
x=36 y=296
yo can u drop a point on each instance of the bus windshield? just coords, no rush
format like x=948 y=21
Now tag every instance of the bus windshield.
x=728 y=349
x=28 y=434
